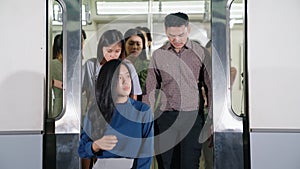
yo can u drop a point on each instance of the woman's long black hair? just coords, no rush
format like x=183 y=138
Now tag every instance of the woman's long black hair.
x=106 y=95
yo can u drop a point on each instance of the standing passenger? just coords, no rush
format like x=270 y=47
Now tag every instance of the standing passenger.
x=175 y=70
x=123 y=131
x=148 y=37
x=110 y=46
x=56 y=72
x=56 y=75
x=135 y=52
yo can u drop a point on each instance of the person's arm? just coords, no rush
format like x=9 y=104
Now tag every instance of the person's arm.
x=208 y=86
x=89 y=148
x=233 y=72
x=207 y=72
x=204 y=97
x=57 y=84
x=153 y=81
x=87 y=86
x=88 y=75
x=107 y=142
x=85 y=146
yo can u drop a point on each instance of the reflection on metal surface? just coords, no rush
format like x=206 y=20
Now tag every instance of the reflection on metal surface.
x=69 y=120
x=228 y=128
x=67 y=124
x=237 y=34
x=66 y=150
x=229 y=154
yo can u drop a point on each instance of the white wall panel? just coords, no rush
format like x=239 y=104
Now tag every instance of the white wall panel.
x=273 y=55
x=23 y=65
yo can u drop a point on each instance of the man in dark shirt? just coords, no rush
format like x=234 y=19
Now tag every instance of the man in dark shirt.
x=176 y=70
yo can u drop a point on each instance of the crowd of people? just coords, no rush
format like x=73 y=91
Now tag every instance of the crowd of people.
x=141 y=107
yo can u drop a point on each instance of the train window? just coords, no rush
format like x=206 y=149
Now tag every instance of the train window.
x=237 y=56
x=55 y=62
x=57 y=14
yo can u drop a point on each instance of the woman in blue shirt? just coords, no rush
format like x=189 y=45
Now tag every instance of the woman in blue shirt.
x=124 y=128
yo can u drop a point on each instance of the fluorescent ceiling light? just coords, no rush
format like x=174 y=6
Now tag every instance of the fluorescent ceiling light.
x=142 y=7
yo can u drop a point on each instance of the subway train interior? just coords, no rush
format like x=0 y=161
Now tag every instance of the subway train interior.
x=255 y=87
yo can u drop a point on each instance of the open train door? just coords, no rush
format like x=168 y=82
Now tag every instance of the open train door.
x=62 y=130
x=229 y=126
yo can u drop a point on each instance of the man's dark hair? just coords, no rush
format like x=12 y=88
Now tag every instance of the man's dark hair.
x=176 y=20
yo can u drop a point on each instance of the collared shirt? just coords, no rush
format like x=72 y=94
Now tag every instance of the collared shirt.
x=176 y=75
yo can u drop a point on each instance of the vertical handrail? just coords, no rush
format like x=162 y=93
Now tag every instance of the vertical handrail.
x=69 y=120
x=228 y=128
x=67 y=124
